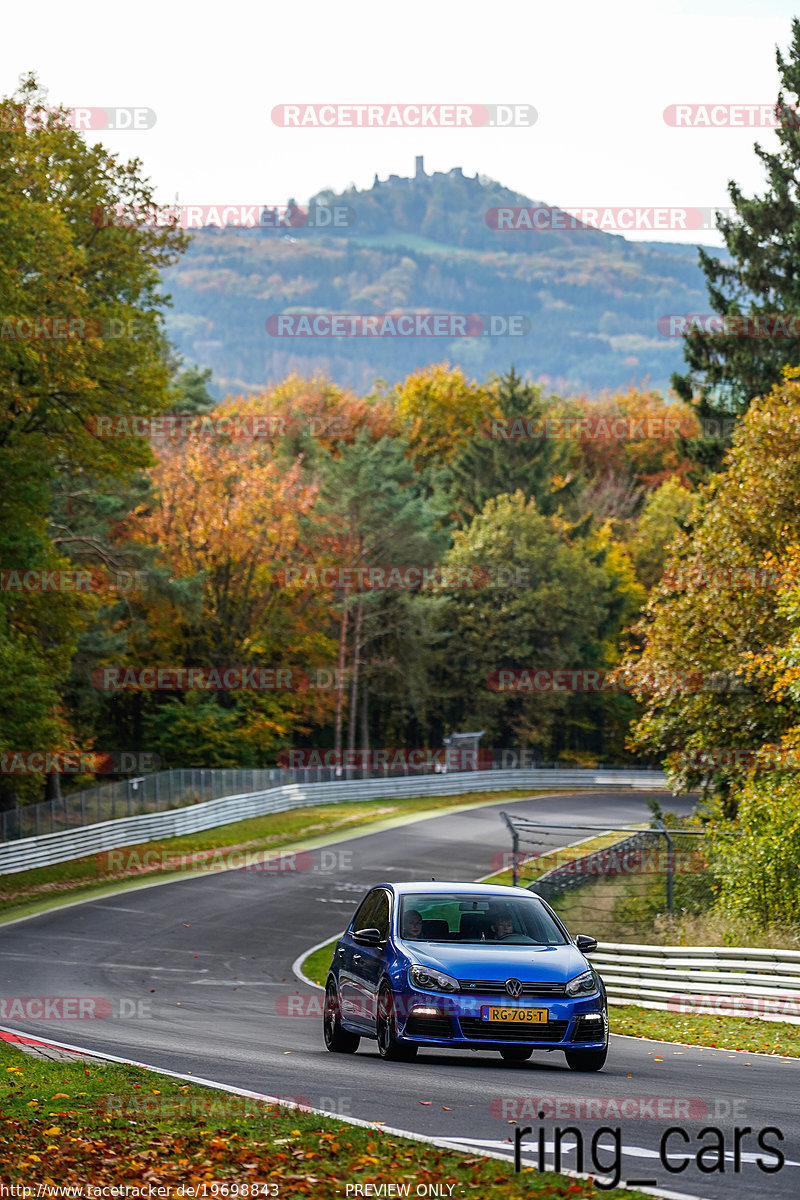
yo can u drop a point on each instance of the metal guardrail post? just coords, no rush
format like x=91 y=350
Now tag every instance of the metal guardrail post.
x=661 y=828
x=514 y=848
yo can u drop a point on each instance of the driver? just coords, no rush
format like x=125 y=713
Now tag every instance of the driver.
x=501 y=925
x=412 y=923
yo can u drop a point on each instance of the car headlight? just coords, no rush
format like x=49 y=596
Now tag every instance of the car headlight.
x=582 y=985
x=429 y=980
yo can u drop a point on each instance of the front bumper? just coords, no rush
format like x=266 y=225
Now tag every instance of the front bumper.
x=455 y=1020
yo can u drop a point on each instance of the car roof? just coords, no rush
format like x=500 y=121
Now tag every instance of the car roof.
x=418 y=886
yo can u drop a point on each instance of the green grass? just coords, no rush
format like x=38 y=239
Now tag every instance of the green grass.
x=727 y=1033
x=112 y=1124
x=39 y=888
x=316 y=964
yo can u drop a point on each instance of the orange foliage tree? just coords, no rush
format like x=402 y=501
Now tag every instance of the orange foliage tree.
x=228 y=519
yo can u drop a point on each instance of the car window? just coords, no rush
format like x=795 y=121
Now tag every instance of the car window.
x=502 y=920
x=364 y=912
x=380 y=915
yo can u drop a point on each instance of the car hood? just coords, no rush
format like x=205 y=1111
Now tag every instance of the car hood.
x=531 y=964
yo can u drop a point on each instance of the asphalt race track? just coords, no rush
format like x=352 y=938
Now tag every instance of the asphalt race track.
x=197 y=975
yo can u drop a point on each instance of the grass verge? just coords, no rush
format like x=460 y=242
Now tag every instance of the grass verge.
x=45 y=887
x=724 y=1033
x=112 y=1124
x=316 y=964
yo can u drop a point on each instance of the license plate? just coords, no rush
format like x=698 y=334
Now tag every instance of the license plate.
x=514 y=1016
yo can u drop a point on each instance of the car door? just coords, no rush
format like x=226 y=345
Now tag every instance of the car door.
x=350 y=958
x=361 y=968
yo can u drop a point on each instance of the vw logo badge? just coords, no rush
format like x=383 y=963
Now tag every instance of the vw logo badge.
x=514 y=988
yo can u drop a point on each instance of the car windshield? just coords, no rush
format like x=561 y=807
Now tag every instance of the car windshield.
x=463 y=918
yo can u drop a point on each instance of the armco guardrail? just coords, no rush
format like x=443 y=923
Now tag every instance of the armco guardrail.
x=724 y=981
x=128 y=831
x=180 y=787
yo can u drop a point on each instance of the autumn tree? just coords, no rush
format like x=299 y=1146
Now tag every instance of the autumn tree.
x=667 y=510
x=716 y=610
x=82 y=334
x=374 y=511
x=507 y=454
x=547 y=595
x=634 y=437
x=440 y=411
x=227 y=523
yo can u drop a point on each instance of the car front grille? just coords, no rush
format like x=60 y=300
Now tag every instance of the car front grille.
x=497 y=987
x=475 y=1029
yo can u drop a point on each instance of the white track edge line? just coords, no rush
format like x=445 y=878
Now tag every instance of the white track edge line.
x=440 y=1143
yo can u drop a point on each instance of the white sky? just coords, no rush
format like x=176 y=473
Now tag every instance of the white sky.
x=598 y=74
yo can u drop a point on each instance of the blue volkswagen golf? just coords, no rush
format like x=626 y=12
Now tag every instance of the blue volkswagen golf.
x=464 y=967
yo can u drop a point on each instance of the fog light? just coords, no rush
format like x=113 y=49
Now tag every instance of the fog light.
x=424 y=1010
x=592 y=1016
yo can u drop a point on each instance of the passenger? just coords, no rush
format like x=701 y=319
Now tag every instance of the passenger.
x=412 y=924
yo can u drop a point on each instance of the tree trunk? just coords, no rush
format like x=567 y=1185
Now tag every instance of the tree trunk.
x=352 y=722
x=337 y=730
x=365 y=715
x=52 y=786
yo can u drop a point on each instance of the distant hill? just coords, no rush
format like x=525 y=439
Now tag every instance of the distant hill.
x=592 y=298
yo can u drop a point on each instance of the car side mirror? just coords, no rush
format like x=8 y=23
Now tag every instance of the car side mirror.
x=368 y=937
x=585 y=943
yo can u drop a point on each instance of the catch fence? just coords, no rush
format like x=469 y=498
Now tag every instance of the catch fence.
x=613 y=883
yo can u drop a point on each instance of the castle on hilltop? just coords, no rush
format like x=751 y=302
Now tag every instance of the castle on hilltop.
x=419 y=175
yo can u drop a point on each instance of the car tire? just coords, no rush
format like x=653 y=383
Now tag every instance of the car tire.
x=586 y=1060
x=388 y=1045
x=514 y=1054
x=337 y=1039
